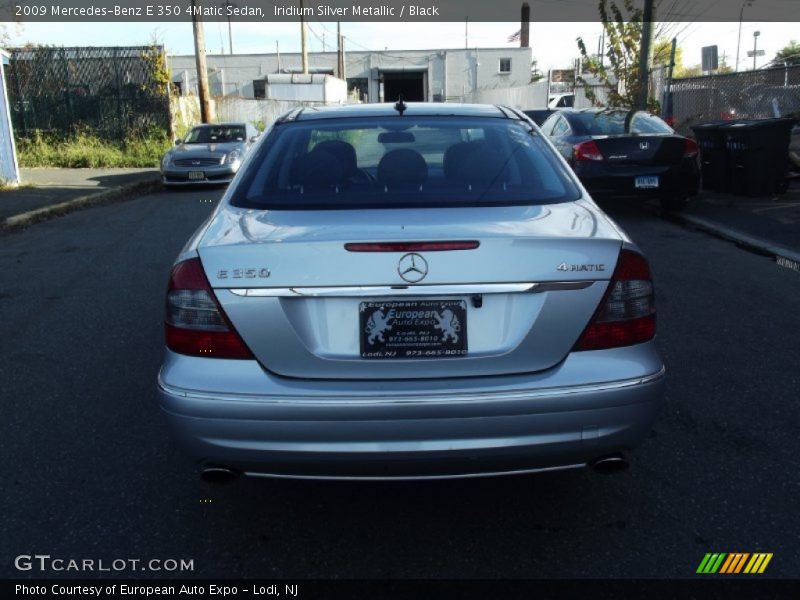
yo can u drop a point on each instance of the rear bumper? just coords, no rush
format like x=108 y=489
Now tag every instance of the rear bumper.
x=602 y=182
x=414 y=429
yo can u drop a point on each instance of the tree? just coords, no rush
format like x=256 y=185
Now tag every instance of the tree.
x=536 y=74
x=697 y=70
x=623 y=44
x=662 y=48
x=789 y=54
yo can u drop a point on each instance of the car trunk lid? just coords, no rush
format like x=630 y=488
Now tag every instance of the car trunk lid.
x=521 y=298
x=632 y=149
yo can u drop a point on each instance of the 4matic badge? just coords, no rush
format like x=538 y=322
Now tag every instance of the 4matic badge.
x=583 y=267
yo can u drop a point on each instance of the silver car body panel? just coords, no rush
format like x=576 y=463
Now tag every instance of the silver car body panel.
x=316 y=334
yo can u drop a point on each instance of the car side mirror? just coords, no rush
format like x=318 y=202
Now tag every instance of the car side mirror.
x=254 y=138
x=178 y=142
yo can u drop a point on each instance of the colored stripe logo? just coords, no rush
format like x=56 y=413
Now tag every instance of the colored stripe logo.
x=734 y=563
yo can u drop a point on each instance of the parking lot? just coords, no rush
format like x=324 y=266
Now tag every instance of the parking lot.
x=90 y=472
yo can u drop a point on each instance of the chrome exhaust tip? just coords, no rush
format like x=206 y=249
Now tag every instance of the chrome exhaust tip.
x=614 y=463
x=218 y=475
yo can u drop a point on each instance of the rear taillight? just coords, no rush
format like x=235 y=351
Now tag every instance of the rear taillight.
x=627 y=314
x=690 y=148
x=586 y=151
x=195 y=322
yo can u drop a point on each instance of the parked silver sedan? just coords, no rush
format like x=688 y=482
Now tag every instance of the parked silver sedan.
x=408 y=291
x=209 y=154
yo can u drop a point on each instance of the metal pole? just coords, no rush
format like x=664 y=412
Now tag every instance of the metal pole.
x=666 y=109
x=466 y=33
x=278 y=53
x=200 y=60
x=739 y=39
x=303 y=48
x=755 y=47
x=644 y=57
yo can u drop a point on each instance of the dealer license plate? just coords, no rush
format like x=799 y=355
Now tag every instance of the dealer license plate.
x=393 y=329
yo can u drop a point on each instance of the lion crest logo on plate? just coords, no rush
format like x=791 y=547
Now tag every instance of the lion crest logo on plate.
x=378 y=324
x=449 y=325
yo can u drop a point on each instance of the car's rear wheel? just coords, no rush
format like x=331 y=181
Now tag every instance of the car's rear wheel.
x=674 y=203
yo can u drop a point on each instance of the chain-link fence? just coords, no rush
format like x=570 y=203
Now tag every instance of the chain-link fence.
x=760 y=94
x=112 y=92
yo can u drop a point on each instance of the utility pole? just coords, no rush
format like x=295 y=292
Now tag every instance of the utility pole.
x=344 y=67
x=278 y=54
x=230 y=29
x=466 y=33
x=339 y=51
x=644 y=57
x=303 y=47
x=200 y=61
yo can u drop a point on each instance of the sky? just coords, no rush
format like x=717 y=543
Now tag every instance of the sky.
x=553 y=44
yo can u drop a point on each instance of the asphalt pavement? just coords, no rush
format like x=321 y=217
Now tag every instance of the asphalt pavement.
x=89 y=471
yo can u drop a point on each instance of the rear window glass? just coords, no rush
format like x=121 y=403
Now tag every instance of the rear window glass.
x=219 y=135
x=397 y=162
x=645 y=123
x=613 y=123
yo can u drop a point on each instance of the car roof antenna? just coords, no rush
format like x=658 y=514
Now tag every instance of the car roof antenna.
x=400 y=106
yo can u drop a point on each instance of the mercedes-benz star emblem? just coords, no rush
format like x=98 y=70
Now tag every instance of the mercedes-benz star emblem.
x=412 y=268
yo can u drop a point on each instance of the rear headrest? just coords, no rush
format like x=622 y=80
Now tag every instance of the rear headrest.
x=402 y=167
x=453 y=160
x=474 y=162
x=318 y=167
x=343 y=151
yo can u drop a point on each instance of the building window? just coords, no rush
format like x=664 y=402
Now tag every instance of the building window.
x=259 y=88
x=505 y=65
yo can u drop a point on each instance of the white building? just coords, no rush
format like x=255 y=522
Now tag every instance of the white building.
x=376 y=76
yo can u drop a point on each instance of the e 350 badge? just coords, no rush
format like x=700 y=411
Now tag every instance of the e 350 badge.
x=262 y=273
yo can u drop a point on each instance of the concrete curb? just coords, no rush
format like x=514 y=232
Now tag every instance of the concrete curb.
x=785 y=257
x=117 y=194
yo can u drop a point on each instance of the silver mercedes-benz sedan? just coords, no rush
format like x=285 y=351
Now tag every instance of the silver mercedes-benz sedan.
x=408 y=292
x=209 y=154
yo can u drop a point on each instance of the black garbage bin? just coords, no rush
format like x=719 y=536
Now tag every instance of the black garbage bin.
x=713 y=154
x=758 y=155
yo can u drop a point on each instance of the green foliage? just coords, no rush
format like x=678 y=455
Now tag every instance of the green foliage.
x=156 y=60
x=536 y=73
x=620 y=76
x=789 y=54
x=86 y=150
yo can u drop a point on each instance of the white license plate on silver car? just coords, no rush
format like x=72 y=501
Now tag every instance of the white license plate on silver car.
x=647 y=182
x=197 y=175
